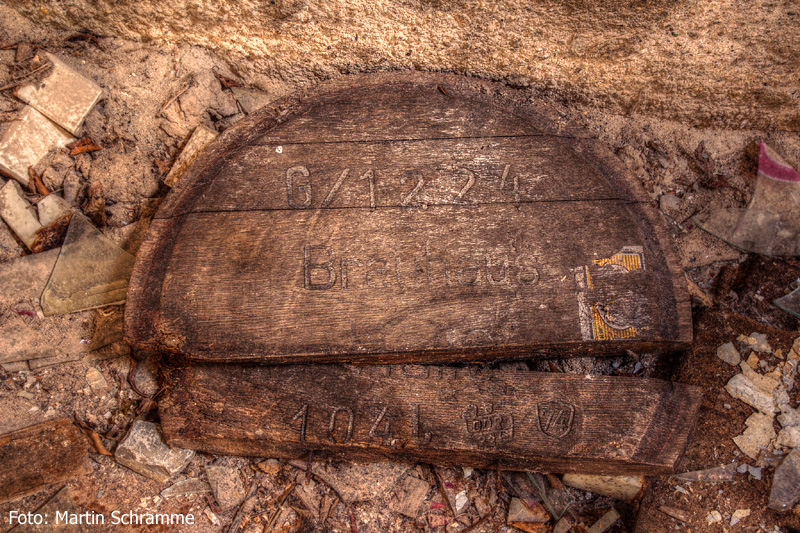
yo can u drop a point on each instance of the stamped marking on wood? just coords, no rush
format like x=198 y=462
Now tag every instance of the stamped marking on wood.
x=445 y=415
x=399 y=224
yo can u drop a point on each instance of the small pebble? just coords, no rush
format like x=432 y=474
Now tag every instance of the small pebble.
x=713 y=517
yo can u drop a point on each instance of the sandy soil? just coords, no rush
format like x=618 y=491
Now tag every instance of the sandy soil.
x=141 y=140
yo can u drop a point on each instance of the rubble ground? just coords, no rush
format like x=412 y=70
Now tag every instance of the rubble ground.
x=153 y=98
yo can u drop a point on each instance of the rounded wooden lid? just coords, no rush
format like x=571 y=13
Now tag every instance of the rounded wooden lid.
x=402 y=217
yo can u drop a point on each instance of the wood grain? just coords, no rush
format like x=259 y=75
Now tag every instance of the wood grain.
x=39 y=455
x=405 y=218
x=486 y=418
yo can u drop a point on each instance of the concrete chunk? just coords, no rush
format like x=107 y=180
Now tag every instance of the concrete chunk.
x=200 y=138
x=742 y=388
x=144 y=451
x=757 y=436
x=785 y=492
x=26 y=140
x=619 y=487
x=226 y=485
x=65 y=97
x=18 y=213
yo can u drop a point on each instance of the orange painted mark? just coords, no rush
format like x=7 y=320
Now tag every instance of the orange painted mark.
x=628 y=259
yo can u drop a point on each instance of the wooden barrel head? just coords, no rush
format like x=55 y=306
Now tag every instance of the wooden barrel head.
x=405 y=217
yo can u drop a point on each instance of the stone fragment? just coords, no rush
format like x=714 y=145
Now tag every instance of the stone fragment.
x=711 y=475
x=226 y=484
x=757 y=341
x=65 y=97
x=789 y=416
x=531 y=511
x=91 y=271
x=738 y=515
x=677 y=514
x=200 y=138
x=619 y=487
x=785 y=492
x=605 y=522
x=742 y=388
x=187 y=487
x=270 y=466
x=713 y=517
x=251 y=99
x=755 y=472
x=757 y=436
x=96 y=380
x=728 y=353
x=26 y=140
x=789 y=437
x=18 y=213
x=211 y=517
x=410 y=495
x=144 y=451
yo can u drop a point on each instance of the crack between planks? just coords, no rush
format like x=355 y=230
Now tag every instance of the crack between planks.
x=402 y=208
x=423 y=139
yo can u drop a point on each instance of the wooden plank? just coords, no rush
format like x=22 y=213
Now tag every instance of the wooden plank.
x=514 y=420
x=39 y=455
x=405 y=218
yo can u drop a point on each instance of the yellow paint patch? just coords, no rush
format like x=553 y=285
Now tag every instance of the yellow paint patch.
x=603 y=332
x=629 y=261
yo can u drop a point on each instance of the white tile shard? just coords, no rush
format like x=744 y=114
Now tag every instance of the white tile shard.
x=18 y=213
x=65 y=96
x=26 y=140
x=51 y=208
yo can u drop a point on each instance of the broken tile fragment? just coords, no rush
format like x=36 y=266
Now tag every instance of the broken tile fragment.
x=26 y=140
x=18 y=342
x=728 y=353
x=65 y=96
x=91 y=271
x=410 y=495
x=785 y=491
x=18 y=213
x=757 y=436
x=200 y=138
x=359 y=481
x=605 y=522
x=187 y=487
x=619 y=487
x=711 y=475
x=144 y=451
x=789 y=437
x=51 y=208
x=269 y=466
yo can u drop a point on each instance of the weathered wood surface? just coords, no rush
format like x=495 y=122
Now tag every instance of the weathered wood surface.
x=40 y=455
x=405 y=218
x=515 y=420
